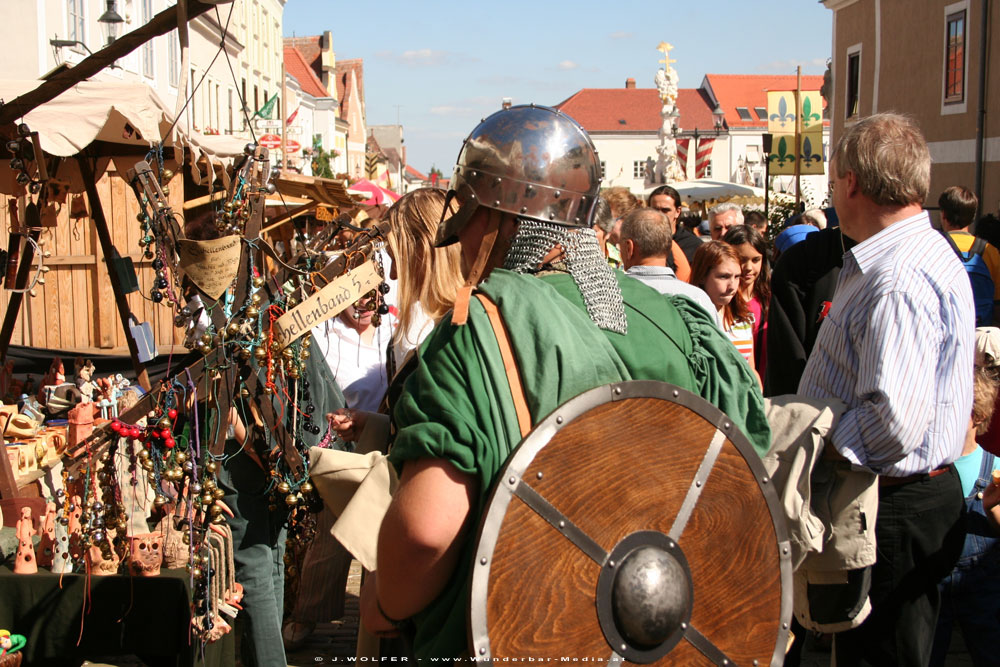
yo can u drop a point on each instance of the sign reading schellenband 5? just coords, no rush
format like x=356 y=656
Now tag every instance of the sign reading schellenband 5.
x=326 y=303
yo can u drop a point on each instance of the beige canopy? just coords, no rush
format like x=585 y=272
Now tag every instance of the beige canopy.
x=122 y=113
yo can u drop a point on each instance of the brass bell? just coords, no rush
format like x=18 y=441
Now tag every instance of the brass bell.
x=304 y=354
x=283 y=488
x=219 y=494
x=307 y=342
x=211 y=466
x=255 y=298
x=165 y=423
x=159 y=501
x=287 y=353
x=207 y=498
x=293 y=373
x=291 y=500
x=306 y=487
x=260 y=353
x=252 y=311
x=166 y=175
x=181 y=457
x=206 y=338
x=233 y=329
x=258 y=282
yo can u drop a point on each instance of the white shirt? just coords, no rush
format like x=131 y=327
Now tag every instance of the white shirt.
x=358 y=367
x=897 y=347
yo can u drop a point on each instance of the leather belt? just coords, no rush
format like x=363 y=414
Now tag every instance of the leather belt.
x=909 y=479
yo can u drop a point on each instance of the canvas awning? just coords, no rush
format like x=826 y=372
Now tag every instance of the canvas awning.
x=116 y=112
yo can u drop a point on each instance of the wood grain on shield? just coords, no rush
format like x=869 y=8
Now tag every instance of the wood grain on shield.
x=621 y=468
x=529 y=612
x=732 y=550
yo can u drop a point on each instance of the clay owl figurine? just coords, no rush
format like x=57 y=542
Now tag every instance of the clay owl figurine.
x=146 y=554
x=25 y=562
x=46 y=546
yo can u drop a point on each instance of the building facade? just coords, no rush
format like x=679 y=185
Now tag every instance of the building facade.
x=253 y=46
x=932 y=61
x=624 y=124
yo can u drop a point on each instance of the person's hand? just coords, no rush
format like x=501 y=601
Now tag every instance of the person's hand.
x=991 y=494
x=348 y=423
x=371 y=617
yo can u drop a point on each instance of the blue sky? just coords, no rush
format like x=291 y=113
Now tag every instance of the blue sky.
x=443 y=66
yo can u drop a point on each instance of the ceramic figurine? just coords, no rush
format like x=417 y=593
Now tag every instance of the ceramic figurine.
x=99 y=564
x=25 y=563
x=55 y=377
x=47 y=545
x=75 y=537
x=61 y=561
x=80 y=421
x=84 y=381
x=146 y=554
x=176 y=554
x=11 y=643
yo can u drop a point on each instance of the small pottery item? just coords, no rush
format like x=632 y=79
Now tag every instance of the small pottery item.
x=146 y=554
x=25 y=562
x=47 y=545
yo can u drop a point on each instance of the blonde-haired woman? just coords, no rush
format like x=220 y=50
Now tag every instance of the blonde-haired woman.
x=427 y=278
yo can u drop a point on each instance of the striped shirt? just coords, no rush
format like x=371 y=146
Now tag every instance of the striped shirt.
x=897 y=348
x=741 y=333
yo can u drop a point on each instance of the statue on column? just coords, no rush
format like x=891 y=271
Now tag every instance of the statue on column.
x=668 y=167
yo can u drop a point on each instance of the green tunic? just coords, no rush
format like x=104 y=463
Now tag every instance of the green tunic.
x=456 y=404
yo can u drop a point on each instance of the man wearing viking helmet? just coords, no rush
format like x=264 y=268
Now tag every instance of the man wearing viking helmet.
x=541 y=319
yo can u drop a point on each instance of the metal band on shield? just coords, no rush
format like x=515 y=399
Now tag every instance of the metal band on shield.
x=644 y=588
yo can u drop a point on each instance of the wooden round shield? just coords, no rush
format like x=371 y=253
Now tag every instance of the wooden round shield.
x=635 y=523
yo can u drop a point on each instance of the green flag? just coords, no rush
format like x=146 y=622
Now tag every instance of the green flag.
x=268 y=108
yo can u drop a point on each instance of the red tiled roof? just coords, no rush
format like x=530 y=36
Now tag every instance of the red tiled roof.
x=415 y=174
x=296 y=65
x=750 y=90
x=310 y=49
x=605 y=109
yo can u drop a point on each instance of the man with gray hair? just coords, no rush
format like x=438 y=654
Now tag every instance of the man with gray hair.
x=645 y=245
x=722 y=217
x=897 y=348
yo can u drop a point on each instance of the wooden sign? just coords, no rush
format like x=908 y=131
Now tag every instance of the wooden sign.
x=211 y=265
x=328 y=302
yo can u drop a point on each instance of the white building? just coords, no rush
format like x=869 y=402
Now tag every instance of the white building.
x=253 y=47
x=624 y=125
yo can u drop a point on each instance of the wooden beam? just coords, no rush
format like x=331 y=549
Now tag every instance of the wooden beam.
x=101 y=225
x=161 y=24
x=15 y=299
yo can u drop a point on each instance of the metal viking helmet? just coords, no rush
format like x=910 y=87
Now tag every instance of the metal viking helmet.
x=531 y=161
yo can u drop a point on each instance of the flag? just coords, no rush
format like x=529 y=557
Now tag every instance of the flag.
x=703 y=158
x=268 y=108
x=682 y=155
x=292 y=117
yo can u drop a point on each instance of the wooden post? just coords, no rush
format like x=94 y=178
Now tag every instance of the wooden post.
x=798 y=137
x=101 y=224
x=284 y=120
x=15 y=299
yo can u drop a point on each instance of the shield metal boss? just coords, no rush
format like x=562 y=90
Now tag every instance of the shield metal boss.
x=635 y=523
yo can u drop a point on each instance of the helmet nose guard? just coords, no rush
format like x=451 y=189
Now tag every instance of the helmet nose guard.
x=530 y=161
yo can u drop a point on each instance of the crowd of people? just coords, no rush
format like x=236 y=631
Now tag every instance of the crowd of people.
x=873 y=310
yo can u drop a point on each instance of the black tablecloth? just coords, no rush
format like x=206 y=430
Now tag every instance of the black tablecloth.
x=144 y=616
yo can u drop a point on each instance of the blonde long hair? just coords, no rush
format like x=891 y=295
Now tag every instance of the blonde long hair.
x=428 y=275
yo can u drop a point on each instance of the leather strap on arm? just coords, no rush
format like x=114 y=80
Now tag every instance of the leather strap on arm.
x=509 y=365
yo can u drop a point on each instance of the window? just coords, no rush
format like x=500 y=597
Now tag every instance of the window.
x=230 y=91
x=708 y=170
x=173 y=59
x=853 y=82
x=744 y=113
x=147 y=47
x=761 y=113
x=603 y=168
x=76 y=20
x=638 y=169
x=954 y=74
x=256 y=99
x=193 y=97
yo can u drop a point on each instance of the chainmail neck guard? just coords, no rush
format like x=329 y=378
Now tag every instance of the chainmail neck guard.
x=584 y=262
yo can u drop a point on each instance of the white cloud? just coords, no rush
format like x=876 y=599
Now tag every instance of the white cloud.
x=620 y=34
x=567 y=65
x=418 y=57
x=448 y=110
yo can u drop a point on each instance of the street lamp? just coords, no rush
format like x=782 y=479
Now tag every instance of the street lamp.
x=111 y=20
x=59 y=43
x=718 y=118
